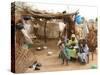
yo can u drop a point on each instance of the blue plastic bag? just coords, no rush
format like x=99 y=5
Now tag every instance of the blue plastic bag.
x=78 y=19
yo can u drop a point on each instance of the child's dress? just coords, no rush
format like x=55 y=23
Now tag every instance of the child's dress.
x=83 y=55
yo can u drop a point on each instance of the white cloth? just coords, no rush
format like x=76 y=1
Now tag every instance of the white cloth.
x=59 y=42
x=27 y=27
x=36 y=26
x=34 y=66
x=86 y=49
x=85 y=29
x=82 y=56
x=73 y=35
x=28 y=39
x=61 y=26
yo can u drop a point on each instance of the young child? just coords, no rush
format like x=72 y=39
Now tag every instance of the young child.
x=61 y=47
x=83 y=52
x=63 y=54
x=67 y=50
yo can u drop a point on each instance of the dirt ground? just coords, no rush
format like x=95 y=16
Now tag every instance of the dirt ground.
x=53 y=63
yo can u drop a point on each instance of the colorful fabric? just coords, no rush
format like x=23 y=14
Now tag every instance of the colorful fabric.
x=72 y=53
x=67 y=52
x=73 y=42
x=83 y=57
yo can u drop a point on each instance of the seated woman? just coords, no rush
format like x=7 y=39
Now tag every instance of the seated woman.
x=68 y=48
x=73 y=46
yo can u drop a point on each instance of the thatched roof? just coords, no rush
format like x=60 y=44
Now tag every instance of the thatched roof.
x=36 y=14
x=43 y=14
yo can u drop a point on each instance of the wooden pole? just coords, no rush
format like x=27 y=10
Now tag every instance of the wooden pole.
x=45 y=37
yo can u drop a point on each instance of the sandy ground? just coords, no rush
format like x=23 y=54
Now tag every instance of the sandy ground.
x=53 y=63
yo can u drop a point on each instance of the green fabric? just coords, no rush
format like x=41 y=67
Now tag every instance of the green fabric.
x=94 y=66
x=30 y=45
x=72 y=53
x=73 y=42
x=67 y=52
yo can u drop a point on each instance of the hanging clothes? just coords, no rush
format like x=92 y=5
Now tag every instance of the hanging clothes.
x=27 y=31
x=28 y=28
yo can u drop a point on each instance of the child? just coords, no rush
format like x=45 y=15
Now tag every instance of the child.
x=67 y=50
x=83 y=52
x=61 y=46
x=63 y=54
